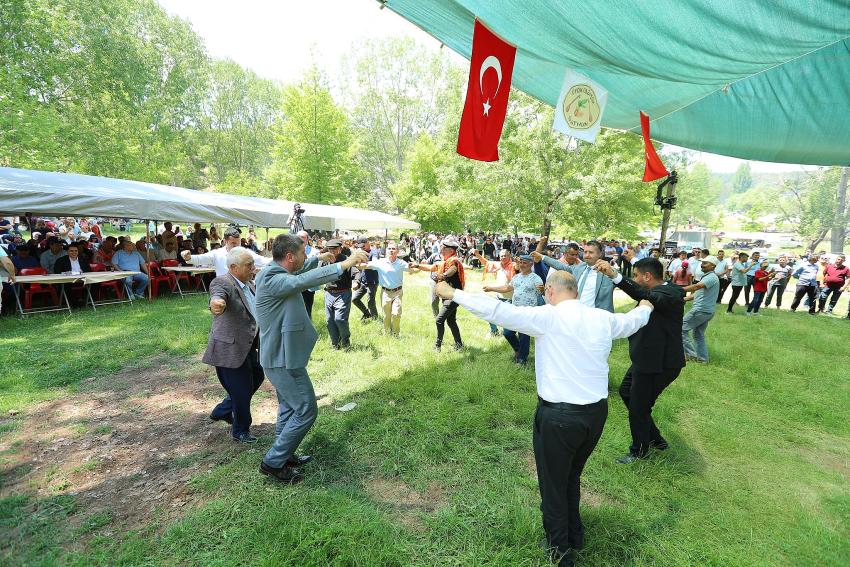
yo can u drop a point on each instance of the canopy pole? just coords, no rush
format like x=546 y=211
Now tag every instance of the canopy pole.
x=666 y=204
x=148 y=256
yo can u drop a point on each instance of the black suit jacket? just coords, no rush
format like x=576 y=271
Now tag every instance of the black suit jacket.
x=63 y=264
x=658 y=346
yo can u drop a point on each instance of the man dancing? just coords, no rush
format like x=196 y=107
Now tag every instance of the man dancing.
x=450 y=270
x=571 y=364
x=656 y=350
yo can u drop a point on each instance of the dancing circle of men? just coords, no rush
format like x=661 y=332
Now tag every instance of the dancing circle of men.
x=571 y=316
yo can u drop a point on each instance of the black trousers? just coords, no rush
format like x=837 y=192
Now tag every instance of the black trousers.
x=240 y=383
x=724 y=284
x=750 y=281
x=357 y=299
x=736 y=291
x=639 y=391
x=564 y=437
x=448 y=316
x=308 y=300
x=808 y=290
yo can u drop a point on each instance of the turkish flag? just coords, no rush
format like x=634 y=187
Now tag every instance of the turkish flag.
x=490 y=70
x=653 y=169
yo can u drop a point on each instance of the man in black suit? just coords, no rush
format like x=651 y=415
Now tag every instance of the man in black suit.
x=234 y=342
x=656 y=350
x=74 y=263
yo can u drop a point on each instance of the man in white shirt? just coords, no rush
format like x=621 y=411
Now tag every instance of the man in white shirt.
x=218 y=257
x=571 y=364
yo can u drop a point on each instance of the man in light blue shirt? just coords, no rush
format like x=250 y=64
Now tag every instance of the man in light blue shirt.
x=755 y=261
x=807 y=283
x=391 y=277
x=128 y=259
x=702 y=311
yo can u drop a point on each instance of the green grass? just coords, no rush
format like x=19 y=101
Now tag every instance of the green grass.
x=757 y=474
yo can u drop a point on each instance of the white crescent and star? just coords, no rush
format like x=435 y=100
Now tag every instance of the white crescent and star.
x=490 y=62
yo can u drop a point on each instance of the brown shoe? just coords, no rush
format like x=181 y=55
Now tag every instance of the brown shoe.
x=285 y=474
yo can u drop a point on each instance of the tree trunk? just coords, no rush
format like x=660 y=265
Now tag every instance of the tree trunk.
x=817 y=240
x=839 y=227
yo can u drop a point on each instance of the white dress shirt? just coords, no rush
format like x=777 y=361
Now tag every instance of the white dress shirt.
x=588 y=292
x=218 y=259
x=572 y=346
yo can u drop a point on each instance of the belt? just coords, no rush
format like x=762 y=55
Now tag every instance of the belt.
x=565 y=405
x=337 y=289
x=392 y=288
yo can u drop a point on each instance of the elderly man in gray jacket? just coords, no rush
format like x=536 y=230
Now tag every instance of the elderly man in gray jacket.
x=233 y=343
x=594 y=290
x=287 y=336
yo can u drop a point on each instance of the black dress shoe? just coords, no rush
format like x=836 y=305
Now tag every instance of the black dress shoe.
x=246 y=438
x=659 y=445
x=298 y=460
x=284 y=474
x=228 y=418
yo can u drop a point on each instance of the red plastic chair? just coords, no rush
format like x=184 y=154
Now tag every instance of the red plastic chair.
x=114 y=285
x=182 y=276
x=33 y=289
x=156 y=278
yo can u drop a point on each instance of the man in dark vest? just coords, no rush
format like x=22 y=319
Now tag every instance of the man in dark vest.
x=656 y=350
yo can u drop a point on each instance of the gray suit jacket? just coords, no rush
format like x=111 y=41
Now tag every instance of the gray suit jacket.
x=233 y=332
x=287 y=334
x=604 y=285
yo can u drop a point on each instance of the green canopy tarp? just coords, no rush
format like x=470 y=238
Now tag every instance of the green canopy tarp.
x=752 y=79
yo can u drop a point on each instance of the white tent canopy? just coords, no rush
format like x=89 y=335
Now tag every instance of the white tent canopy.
x=43 y=193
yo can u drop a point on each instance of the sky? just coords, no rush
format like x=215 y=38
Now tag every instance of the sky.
x=280 y=39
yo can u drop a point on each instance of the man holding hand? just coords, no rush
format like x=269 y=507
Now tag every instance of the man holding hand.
x=656 y=350
x=288 y=337
x=234 y=342
x=571 y=364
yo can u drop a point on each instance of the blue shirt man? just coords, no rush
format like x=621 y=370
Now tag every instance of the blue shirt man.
x=807 y=274
x=129 y=260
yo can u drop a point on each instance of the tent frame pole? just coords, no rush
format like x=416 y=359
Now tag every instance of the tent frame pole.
x=148 y=256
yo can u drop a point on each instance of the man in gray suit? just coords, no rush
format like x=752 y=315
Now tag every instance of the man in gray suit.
x=594 y=290
x=288 y=337
x=233 y=343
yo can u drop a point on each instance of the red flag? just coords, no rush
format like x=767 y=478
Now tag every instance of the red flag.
x=490 y=70
x=654 y=169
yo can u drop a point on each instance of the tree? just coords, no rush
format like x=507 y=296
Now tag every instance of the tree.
x=697 y=197
x=743 y=179
x=397 y=91
x=240 y=111
x=314 y=149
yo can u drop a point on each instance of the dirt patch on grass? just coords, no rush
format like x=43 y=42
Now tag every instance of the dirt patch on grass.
x=406 y=503
x=125 y=446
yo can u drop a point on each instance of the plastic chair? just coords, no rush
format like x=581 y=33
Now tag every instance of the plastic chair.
x=33 y=289
x=182 y=276
x=156 y=278
x=114 y=285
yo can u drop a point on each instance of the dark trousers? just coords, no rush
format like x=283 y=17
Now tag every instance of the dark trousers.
x=807 y=290
x=779 y=289
x=824 y=294
x=817 y=294
x=357 y=299
x=736 y=291
x=754 y=305
x=520 y=343
x=564 y=437
x=724 y=283
x=747 y=288
x=240 y=383
x=639 y=391
x=448 y=316
x=308 y=300
x=626 y=269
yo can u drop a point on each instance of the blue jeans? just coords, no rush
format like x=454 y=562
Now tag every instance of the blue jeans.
x=297 y=410
x=140 y=281
x=337 y=309
x=521 y=344
x=696 y=321
x=754 y=305
x=494 y=330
